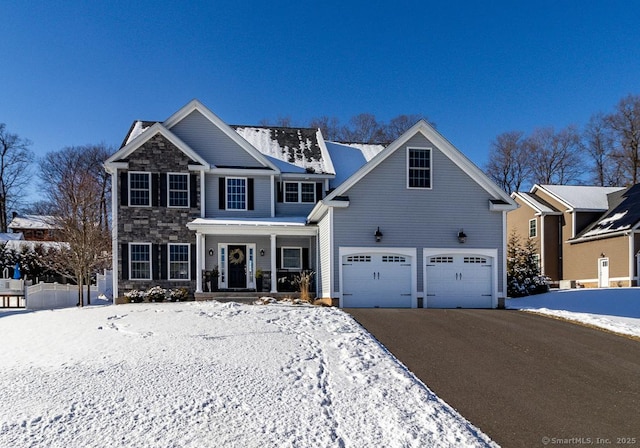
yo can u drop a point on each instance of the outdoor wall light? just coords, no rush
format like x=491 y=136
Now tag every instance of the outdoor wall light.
x=262 y=252
x=378 y=235
x=462 y=237
x=211 y=252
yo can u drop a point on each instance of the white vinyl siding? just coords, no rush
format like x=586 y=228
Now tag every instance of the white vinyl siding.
x=178 y=190
x=140 y=261
x=139 y=189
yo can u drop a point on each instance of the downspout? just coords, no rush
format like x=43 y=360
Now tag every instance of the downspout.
x=631 y=257
x=504 y=256
x=542 y=251
x=114 y=234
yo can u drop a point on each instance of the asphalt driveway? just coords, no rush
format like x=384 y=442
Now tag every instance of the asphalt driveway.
x=525 y=380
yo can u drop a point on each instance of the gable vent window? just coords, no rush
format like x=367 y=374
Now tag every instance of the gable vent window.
x=419 y=167
x=178 y=190
x=140 y=189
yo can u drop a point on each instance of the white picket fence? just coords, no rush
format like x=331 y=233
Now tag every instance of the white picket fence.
x=44 y=296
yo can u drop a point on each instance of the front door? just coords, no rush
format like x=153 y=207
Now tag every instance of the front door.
x=237 y=268
x=603 y=272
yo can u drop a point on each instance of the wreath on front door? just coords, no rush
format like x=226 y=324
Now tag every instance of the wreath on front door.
x=236 y=256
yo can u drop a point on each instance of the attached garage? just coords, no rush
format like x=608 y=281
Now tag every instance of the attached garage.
x=460 y=280
x=372 y=279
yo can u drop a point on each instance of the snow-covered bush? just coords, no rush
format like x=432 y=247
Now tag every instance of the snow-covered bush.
x=178 y=295
x=523 y=269
x=156 y=294
x=135 y=296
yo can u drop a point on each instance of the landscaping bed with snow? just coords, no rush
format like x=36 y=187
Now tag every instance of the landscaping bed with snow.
x=206 y=374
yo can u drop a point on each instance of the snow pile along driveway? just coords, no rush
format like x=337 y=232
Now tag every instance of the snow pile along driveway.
x=211 y=375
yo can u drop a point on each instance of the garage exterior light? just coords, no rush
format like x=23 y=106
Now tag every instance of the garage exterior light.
x=378 y=235
x=462 y=237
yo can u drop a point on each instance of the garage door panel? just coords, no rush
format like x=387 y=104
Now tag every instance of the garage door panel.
x=376 y=280
x=459 y=281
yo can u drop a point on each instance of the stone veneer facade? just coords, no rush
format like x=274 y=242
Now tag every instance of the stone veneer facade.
x=158 y=225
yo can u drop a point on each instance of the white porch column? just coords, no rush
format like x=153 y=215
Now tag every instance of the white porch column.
x=274 y=268
x=199 y=250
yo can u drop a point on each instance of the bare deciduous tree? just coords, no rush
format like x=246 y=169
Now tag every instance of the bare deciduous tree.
x=598 y=143
x=625 y=126
x=508 y=165
x=15 y=158
x=76 y=198
x=555 y=156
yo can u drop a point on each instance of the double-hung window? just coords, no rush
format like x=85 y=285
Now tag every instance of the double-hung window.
x=292 y=258
x=139 y=189
x=179 y=265
x=418 y=167
x=533 y=228
x=300 y=192
x=140 y=261
x=236 y=193
x=178 y=190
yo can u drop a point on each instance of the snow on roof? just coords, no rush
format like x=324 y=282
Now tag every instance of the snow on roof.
x=623 y=215
x=277 y=221
x=296 y=146
x=32 y=222
x=138 y=128
x=18 y=245
x=349 y=157
x=11 y=236
x=582 y=197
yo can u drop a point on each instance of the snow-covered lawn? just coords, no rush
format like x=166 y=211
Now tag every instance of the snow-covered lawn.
x=211 y=375
x=614 y=309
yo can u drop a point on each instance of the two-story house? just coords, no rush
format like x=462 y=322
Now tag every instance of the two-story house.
x=565 y=224
x=415 y=223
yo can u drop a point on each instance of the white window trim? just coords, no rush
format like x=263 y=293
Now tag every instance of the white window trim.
x=535 y=235
x=300 y=264
x=129 y=188
x=169 y=190
x=409 y=148
x=150 y=262
x=226 y=193
x=299 y=184
x=188 y=262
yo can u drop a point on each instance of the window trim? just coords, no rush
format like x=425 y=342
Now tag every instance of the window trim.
x=188 y=262
x=535 y=228
x=131 y=277
x=169 y=190
x=282 y=258
x=299 y=192
x=246 y=193
x=409 y=168
x=148 y=174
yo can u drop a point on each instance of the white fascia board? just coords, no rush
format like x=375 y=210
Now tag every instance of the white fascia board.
x=249 y=228
x=197 y=168
x=322 y=206
x=305 y=176
x=501 y=207
x=241 y=172
x=328 y=163
x=194 y=105
x=554 y=196
x=141 y=139
x=112 y=167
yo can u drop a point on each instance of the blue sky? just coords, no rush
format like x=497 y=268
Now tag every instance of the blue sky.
x=77 y=72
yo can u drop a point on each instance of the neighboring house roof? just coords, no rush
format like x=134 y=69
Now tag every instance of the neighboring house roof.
x=18 y=245
x=537 y=203
x=35 y=222
x=579 y=197
x=623 y=215
x=300 y=147
x=11 y=236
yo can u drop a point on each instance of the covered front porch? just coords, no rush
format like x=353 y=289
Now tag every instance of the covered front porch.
x=253 y=255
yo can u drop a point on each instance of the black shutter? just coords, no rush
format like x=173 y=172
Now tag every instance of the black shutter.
x=280 y=196
x=319 y=190
x=155 y=262
x=124 y=188
x=162 y=189
x=250 y=194
x=124 y=255
x=164 y=271
x=222 y=197
x=193 y=200
x=305 y=258
x=155 y=180
x=278 y=258
x=192 y=256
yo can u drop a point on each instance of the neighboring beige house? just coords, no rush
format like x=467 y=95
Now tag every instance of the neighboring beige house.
x=584 y=235
x=33 y=227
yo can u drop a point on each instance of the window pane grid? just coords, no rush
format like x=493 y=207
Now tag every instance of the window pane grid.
x=236 y=194
x=308 y=192
x=140 y=261
x=139 y=188
x=291 y=258
x=419 y=168
x=178 y=190
x=179 y=262
x=290 y=192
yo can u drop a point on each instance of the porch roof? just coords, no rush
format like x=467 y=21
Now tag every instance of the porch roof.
x=288 y=225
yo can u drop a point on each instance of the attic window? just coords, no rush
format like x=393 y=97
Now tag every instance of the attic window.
x=418 y=167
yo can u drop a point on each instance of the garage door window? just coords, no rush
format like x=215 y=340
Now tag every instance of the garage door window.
x=393 y=259
x=475 y=260
x=441 y=260
x=359 y=259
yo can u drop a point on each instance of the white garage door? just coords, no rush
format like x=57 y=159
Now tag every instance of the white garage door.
x=376 y=280
x=458 y=281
